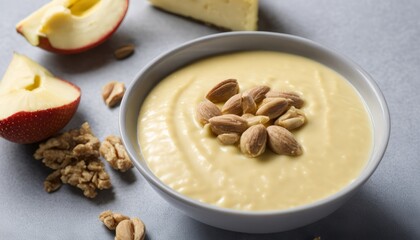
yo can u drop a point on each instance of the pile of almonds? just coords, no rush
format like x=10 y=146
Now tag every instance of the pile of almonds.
x=255 y=118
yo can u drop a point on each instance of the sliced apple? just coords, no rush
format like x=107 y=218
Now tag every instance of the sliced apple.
x=73 y=26
x=33 y=103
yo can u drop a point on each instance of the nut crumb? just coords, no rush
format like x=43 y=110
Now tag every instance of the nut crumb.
x=74 y=155
x=112 y=93
x=114 y=152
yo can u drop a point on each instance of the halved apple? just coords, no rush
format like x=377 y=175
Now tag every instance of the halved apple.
x=33 y=103
x=73 y=26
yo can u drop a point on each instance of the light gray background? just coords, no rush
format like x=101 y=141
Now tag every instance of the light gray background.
x=382 y=36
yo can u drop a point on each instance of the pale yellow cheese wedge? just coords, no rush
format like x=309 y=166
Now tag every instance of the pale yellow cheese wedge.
x=237 y=15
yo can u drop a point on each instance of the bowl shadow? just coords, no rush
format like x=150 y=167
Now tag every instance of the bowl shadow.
x=360 y=218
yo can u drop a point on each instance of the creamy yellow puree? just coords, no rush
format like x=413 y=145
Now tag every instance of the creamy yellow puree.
x=337 y=138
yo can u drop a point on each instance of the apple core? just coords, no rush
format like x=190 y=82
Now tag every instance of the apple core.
x=82 y=7
x=35 y=84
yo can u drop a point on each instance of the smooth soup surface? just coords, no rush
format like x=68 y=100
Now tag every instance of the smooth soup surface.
x=337 y=139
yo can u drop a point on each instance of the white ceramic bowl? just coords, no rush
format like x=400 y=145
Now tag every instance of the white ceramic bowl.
x=253 y=221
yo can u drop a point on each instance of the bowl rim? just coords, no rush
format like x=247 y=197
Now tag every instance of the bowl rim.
x=367 y=171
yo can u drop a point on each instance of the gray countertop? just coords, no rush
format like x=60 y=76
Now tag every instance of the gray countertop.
x=382 y=36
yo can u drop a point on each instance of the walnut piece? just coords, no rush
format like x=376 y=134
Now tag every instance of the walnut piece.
x=74 y=155
x=53 y=182
x=125 y=228
x=113 y=92
x=114 y=152
x=87 y=176
x=111 y=219
x=60 y=151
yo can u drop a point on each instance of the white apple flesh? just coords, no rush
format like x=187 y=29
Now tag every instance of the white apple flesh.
x=33 y=103
x=73 y=26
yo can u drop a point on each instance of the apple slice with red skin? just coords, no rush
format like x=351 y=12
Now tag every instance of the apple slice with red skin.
x=73 y=26
x=34 y=105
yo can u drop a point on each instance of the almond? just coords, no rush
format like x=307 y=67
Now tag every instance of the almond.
x=273 y=108
x=295 y=99
x=124 y=51
x=281 y=141
x=233 y=105
x=258 y=93
x=124 y=230
x=292 y=119
x=248 y=104
x=247 y=115
x=228 y=138
x=139 y=229
x=291 y=123
x=253 y=141
x=207 y=110
x=255 y=120
x=228 y=123
x=113 y=92
x=223 y=91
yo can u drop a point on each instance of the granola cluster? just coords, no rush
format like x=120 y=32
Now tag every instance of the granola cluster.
x=74 y=157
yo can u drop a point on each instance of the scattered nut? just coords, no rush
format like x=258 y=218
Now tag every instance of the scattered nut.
x=223 y=91
x=248 y=104
x=253 y=140
x=255 y=120
x=124 y=51
x=113 y=92
x=295 y=99
x=111 y=220
x=207 y=110
x=274 y=108
x=247 y=115
x=53 y=182
x=228 y=138
x=258 y=93
x=267 y=100
x=292 y=119
x=228 y=123
x=132 y=229
x=74 y=155
x=233 y=105
x=114 y=152
x=281 y=141
x=124 y=230
x=291 y=123
x=139 y=229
